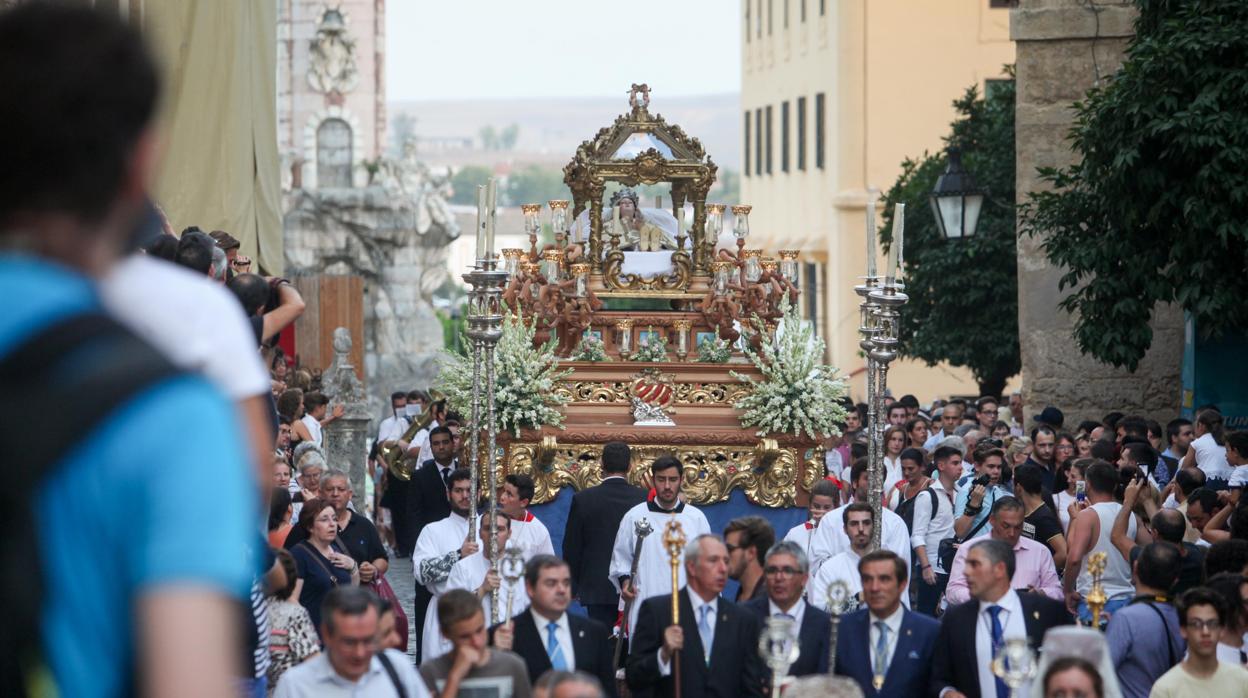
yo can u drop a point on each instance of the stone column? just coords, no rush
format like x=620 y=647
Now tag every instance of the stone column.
x=1063 y=48
x=346 y=438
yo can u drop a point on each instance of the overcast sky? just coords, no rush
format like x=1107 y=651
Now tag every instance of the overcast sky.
x=481 y=49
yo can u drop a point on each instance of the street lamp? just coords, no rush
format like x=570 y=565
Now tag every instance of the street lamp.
x=956 y=200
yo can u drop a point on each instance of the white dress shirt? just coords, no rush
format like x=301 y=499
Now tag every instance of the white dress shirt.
x=391 y=428
x=316 y=678
x=893 y=622
x=563 y=633
x=929 y=527
x=665 y=668
x=798 y=612
x=1012 y=625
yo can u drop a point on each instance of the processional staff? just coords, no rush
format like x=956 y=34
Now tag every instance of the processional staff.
x=674 y=539
x=838 y=594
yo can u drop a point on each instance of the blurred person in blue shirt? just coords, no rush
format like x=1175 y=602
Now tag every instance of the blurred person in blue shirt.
x=138 y=527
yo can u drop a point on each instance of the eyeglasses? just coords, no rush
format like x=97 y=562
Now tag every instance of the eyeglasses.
x=1213 y=625
x=772 y=570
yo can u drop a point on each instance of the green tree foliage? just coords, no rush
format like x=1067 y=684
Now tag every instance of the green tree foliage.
x=534 y=184
x=1154 y=210
x=465 y=181
x=963 y=305
x=508 y=136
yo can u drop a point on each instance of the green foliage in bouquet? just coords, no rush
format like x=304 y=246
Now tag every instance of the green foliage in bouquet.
x=591 y=348
x=714 y=351
x=797 y=393
x=525 y=378
x=650 y=349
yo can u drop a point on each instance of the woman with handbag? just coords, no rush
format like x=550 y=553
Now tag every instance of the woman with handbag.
x=321 y=563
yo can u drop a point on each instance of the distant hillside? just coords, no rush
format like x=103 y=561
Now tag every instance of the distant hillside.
x=550 y=129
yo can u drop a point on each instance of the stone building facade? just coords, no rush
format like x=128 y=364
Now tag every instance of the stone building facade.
x=346 y=209
x=1064 y=47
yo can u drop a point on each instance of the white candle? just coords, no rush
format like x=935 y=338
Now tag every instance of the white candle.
x=491 y=206
x=894 y=250
x=680 y=221
x=482 y=216
x=870 y=233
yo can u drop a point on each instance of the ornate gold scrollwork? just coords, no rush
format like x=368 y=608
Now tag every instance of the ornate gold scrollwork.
x=710 y=472
x=617 y=391
x=675 y=280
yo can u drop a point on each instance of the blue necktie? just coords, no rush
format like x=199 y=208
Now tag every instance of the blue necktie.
x=557 y=660
x=704 y=631
x=998 y=639
x=881 y=654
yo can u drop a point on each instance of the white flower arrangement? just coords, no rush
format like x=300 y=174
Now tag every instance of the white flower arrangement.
x=525 y=377
x=714 y=351
x=591 y=348
x=649 y=349
x=797 y=393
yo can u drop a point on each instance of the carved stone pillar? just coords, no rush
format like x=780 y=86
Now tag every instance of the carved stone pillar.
x=346 y=438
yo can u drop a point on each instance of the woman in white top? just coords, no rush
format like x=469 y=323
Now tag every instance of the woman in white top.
x=1208 y=449
x=1066 y=497
x=894 y=444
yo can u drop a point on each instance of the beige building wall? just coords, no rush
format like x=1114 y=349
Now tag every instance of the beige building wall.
x=889 y=71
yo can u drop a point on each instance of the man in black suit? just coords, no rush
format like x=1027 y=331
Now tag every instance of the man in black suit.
x=785 y=572
x=428 y=501
x=547 y=637
x=589 y=536
x=715 y=645
x=970 y=633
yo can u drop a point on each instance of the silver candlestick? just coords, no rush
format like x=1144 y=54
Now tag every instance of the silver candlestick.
x=875 y=434
x=1014 y=663
x=778 y=646
x=485 y=328
x=513 y=570
x=838 y=595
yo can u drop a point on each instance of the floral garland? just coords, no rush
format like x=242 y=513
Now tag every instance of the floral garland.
x=650 y=350
x=714 y=351
x=591 y=348
x=525 y=377
x=797 y=393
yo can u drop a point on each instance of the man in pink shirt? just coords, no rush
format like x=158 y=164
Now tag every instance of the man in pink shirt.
x=1033 y=569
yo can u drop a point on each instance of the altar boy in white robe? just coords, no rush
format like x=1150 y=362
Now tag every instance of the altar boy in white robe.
x=475 y=573
x=527 y=532
x=441 y=544
x=830 y=539
x=654 y=571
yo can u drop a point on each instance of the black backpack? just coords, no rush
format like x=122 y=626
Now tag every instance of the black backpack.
x=905 y=509
x=37 y=379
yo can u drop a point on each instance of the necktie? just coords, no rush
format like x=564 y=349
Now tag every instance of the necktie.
x=881 y=655
x=998 y=639
x=704 y=630
x=557 y=660
x=446 y=478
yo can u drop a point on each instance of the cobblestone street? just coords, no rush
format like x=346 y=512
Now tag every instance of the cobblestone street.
x=400 y=576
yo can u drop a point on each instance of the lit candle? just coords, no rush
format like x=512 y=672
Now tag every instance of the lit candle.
x=492 y=204
x=482 y=217
x=680 y=221
x=870 y=234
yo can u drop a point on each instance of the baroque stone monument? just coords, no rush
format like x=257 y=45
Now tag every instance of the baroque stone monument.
x=346 y=438
x=1064 y=47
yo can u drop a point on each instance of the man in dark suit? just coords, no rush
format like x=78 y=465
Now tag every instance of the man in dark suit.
x=589 y=536
x=714 y=649
x=547 y=637
x=886 y=648
x=785 y=572
x=971 y=633
x=428 y=501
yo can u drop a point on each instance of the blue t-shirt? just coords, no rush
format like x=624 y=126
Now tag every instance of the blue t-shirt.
x=157 y=496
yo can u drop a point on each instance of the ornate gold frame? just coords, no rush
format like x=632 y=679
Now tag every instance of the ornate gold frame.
x=690 y=171
x=710 y=472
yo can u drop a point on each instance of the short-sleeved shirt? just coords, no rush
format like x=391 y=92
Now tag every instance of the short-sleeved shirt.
x=504 y=672
x=1041 y=525
x=1144 y=640
x=166 y=507
x=1191 y=567
x=1229 y=681
x=360 y=537
x=319 y=577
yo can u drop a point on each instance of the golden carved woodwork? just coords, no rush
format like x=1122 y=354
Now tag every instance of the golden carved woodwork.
x=687 y=168
x=710 y=472
x=618 y=392
x=675 y=280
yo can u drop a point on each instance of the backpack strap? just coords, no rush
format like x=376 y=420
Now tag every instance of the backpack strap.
x=390 y=671
x=86 y=356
